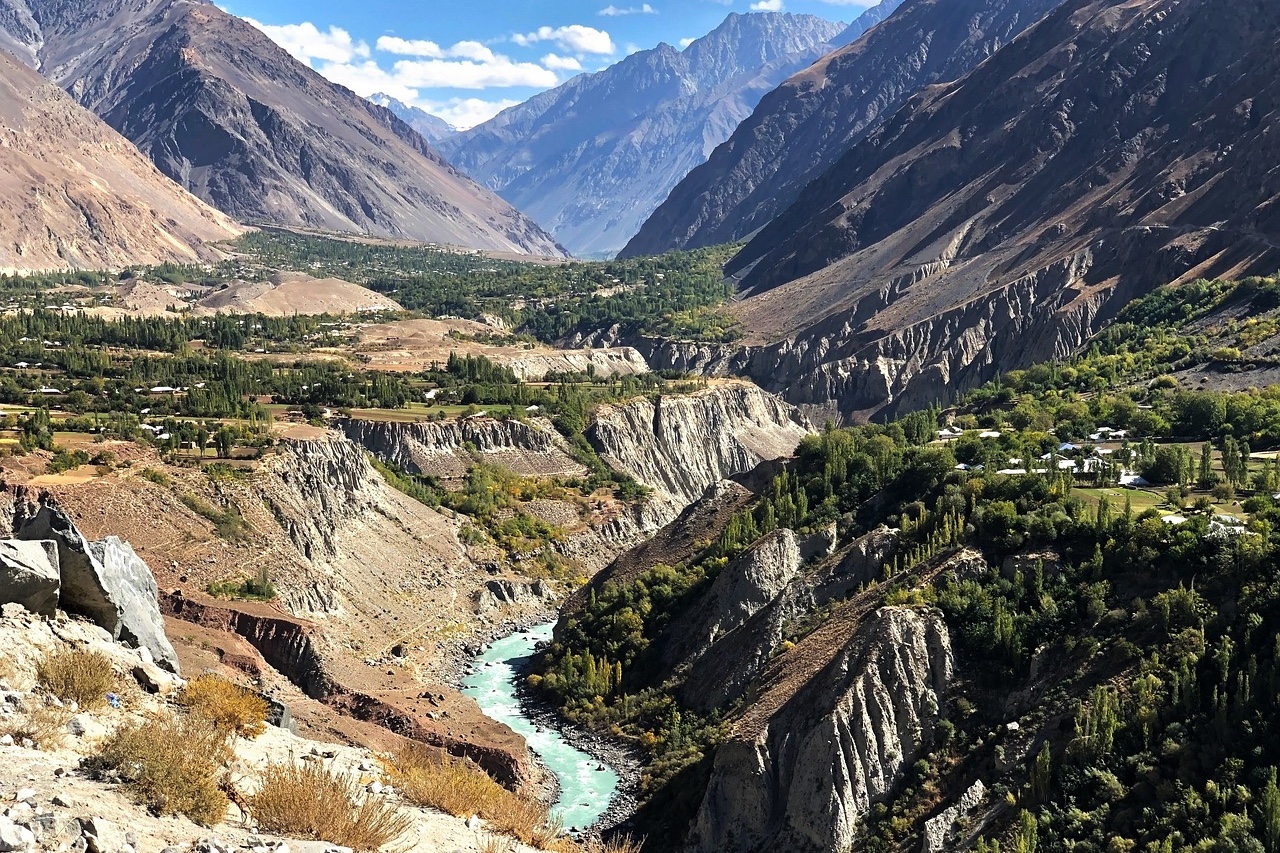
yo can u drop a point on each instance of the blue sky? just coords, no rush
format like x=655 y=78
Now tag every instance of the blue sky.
x=467 y=59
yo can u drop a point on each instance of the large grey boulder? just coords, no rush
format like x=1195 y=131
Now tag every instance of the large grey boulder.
x=104 y=581
x=29 y=575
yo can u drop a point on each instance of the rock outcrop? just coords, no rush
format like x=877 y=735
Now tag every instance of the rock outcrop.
x=229 y=114
x=725 y=670
x=104 y=581
x=742 y=589
x=591 y=159
x=802 y=768
x=679 y=446
x=800 y=129
x=29 y=575
x=939 y=830
x=1003 y=218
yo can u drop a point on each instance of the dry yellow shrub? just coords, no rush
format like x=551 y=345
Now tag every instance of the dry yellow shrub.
x=312 y=802
x=232 y=708
x=77 y=675
x=172 y=763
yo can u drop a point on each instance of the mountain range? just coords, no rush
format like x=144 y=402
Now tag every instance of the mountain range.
x=432 y=128
x=74 y=193
x=231 y=116
x=800 y=129
x=1005 y=217
x=591 y=159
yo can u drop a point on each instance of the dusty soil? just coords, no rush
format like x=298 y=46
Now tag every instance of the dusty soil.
x=294 y=293
x=414 y=345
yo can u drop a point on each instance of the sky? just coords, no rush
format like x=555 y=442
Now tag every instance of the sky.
x=466 y=60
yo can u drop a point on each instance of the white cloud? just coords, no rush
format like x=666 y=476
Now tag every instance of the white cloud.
x=466 y=113
x=619 y=11
x=497 y=73
x=409 y=47
x=574 y=38
x=561 y=63
x=767 y=6
x=306 y=42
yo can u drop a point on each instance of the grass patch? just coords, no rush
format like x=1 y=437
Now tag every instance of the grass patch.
x=221 y=472
x=310 y=801
x=258 y=588
x=172 y=763
x=450 y=785
x=228 y=523
x=231 y=708
x=77 y=675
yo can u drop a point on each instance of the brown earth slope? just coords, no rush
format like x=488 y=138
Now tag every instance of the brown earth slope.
x=74 y=194
x=229 y=114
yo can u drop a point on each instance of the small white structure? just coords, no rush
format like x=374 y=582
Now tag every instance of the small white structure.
x=991 y=433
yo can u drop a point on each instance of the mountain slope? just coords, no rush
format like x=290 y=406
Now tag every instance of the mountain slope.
x=227 y=113
x=593 y=158
x=1002 y=219
x=801 y=128
x=75 y=194
x=432 y=128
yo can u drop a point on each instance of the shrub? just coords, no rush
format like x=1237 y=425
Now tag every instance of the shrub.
x=172 y=763
x=77 y=675
x=44 y=725
x=451 y=785
x=258 y=588
x=312 y=802
x=231 y=708
x=156 y=476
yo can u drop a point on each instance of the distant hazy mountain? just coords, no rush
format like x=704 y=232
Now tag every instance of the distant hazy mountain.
x=432 y=128
x=799 y=130
x=590 y=160
x=227 y=113
x=74 y=194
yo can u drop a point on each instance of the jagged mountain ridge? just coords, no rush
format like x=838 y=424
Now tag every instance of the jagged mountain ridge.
x=432 y=128
x=591 y=159
x=226 y=112
x=801 y=128
x=1003 y=219
x=74 y=194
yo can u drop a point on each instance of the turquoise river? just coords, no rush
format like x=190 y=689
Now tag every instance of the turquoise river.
x=586 y=785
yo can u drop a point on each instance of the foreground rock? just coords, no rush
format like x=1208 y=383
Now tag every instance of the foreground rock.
x=29 y=575
x=50 y=806
x=104 y=581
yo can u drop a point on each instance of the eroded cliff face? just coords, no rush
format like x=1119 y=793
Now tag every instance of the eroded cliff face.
x=681 y=446
x=890 y=355
x=448 y=449
x=799 y=774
